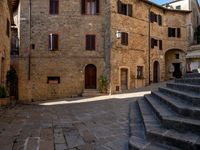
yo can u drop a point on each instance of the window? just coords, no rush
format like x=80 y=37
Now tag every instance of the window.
x=155 y=42
x=124 y=38
x=177 y=56
x=90 y=7
x=8 y=28
x=174 y=32
x=90 y=42
x=155 y=18
x=53 y=42
x=53 y=80
x=178 y=7
x=53 y=7
x=139 y=72
x=125 y=9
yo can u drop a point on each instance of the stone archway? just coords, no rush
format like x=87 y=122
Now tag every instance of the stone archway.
x=175 y=63
x=156 y=72
x=90 y=77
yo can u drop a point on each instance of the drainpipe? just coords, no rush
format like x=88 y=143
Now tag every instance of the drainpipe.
x=149 y=46
x=29 y=55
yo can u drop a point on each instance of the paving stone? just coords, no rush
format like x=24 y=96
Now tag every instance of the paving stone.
x=46 y=145
x=88 y=136
x=61 y=147
x=73 y=138
x=32 y=143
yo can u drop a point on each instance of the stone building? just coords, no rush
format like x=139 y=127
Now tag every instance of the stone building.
x=193 y=51
x=6 y=20
x=65 y=46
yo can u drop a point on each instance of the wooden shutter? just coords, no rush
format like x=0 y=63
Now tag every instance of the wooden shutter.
x=8 y=28
x=87 y=44
x=50 y=44
x=83 y=6
x=93 y=42
x=97 y=7
x=178 y=32
x=55 y=42
x=130 y=10
x=90 y=42
x=119 y=7
x=160 y=20
x=124 y=38
x=160 y=44
x=56 y=5
x=152 y=42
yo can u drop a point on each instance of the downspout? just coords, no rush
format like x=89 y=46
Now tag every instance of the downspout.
x=149 y=54
x=29 y=55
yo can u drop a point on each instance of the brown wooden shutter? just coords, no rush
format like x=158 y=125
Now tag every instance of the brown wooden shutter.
x=87 y=44
x=50 y=42
x=83 y=6
x=93 y=42
x=124 y=38
x=160 y=20
x=97 y=7
x=152 y=42
x=160 y=44
x=56 y=5
x=178 y=32
x=119 y=7
x=130 y=10
x=55 y=41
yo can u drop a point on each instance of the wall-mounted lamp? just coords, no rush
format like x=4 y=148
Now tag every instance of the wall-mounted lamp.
x=118 y=34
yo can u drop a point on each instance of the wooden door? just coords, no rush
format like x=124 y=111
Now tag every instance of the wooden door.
x=90 y=77
x=124 y=79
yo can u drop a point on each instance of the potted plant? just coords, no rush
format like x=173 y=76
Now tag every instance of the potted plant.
x=4 y=100
x=103 y=84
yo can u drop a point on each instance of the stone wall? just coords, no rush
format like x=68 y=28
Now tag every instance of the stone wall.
x=137 y=51
x=5 y=41
x=69 y=61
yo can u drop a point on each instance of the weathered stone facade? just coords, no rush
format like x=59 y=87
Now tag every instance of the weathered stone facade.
x=36 y=63
x=140 y=31
x=5 y=39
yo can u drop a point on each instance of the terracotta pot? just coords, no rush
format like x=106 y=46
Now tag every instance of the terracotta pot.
x=4 y=101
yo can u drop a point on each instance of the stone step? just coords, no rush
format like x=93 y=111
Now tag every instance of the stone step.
x=171 y=119
x=193 y=89
x=91 y=93
x=192 y=99
x=178 y=105
x=193 y=81
x=191 y=75
x=137 y=143
x=154 y=131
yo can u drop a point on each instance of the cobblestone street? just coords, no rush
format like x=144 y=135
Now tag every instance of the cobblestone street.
x=100 y=123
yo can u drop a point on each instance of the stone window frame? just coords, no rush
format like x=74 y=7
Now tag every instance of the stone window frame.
x=124 y=38
x=140 y=68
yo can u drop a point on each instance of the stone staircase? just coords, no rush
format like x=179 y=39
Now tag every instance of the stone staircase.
x=169 y=118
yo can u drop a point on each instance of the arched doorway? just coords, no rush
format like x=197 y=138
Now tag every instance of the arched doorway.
x=174 y=63
x=90 y=77
x=156 y=72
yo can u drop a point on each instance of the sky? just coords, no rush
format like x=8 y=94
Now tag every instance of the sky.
x=164 y=1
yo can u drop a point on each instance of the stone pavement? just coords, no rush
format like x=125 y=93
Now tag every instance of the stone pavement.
x=100 y=123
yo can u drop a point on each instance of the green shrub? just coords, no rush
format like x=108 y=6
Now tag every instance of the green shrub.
x=103 y=84
x=3 y=93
